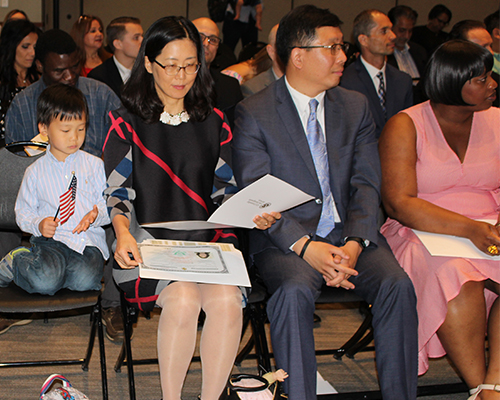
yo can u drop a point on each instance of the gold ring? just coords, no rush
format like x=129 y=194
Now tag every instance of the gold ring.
x=493 y=250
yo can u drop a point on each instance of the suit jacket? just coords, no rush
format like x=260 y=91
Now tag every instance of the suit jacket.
x=399 y=90
x=256 y=84
x=108 y=73
x=269 y=139
x=227 y=92
x=419 y=55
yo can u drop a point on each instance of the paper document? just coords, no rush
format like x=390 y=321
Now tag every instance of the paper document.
x=219 y=263
x=452 y=246
x=323 y=386
x=263 y=196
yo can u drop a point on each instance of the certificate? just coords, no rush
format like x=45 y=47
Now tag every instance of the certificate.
x=263 y=196
x=217 y=263
x=452 y=246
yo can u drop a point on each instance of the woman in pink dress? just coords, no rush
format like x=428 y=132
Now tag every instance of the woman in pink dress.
x=441 y=174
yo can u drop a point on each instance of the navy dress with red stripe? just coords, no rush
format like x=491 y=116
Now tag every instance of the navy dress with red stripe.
x=158 y=172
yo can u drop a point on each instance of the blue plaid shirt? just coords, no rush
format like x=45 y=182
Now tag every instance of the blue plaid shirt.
x=21 y=117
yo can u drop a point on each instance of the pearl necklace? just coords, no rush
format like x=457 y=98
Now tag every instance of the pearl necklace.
x=174 y=119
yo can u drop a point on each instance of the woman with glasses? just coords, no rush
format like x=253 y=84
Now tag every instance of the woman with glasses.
x=88 y=34
x=441 y=174
x=167 y=158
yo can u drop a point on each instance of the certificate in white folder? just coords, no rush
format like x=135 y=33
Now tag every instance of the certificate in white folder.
x=263 y=196
x=217 y=263
x=452 y=246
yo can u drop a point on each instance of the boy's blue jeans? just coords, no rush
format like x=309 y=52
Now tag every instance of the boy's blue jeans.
x=51 y=266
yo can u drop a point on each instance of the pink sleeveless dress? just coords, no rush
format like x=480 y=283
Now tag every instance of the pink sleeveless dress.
x=471 y=188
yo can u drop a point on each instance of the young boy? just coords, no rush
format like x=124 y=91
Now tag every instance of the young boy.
x=60 y=202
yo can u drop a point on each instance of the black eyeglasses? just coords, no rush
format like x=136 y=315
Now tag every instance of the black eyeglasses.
x=445 y=23
x=213 y=40
x=173 y=69
x=334 y=48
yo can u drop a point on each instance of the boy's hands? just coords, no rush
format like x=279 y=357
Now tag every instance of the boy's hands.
x=87 y=220
x=47 y=226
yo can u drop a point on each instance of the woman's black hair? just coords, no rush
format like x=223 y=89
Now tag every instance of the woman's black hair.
x=139 y=95
x=452 y=65
x=12 y=34
x=61 y=102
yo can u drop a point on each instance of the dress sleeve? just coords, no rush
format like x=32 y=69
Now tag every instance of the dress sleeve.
x=118 y=163
x=224 y=181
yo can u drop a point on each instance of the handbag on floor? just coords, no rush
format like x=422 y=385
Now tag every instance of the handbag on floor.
x=253 y=387
x=65 y=392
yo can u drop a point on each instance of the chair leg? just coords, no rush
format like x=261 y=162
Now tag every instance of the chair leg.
x=242 y=355
x=257 y=319
x=354 y=340
x=97 y=327
x=128 y=318
x=102 y=352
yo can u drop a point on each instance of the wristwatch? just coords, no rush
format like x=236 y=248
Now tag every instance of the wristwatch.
x=362 y=242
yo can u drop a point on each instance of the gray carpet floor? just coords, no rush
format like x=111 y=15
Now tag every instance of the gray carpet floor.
x=67 y=337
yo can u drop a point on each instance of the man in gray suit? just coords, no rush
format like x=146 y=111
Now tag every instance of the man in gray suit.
x=264 y=79
x=388 y=90
x=319 y=137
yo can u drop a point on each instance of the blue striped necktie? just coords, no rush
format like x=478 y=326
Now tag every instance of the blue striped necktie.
x=317 y=145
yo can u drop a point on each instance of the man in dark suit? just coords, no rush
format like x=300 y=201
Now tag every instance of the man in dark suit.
x=320 y=138
x=388 y=90
x=227 y=88
x=124 y=36
x=408 y=56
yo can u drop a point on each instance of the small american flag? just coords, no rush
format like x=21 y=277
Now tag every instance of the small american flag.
x=67 y=201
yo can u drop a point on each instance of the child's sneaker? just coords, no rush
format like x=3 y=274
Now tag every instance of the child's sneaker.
x=6 y=274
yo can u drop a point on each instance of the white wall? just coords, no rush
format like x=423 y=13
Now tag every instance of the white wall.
x=150 y=10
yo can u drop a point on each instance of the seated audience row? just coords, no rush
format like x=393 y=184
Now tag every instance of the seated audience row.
x=172 y=140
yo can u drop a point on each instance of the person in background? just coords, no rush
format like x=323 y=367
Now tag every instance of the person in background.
x=248 y=69
x=441 y=174
x=88 y=34
x=430 y=36
x=17 y=68
x=124 y=38
x=244 y=25
x=267 y=77
x=475 y=32
x=13 y=15
x=58 y=60
x=408 y=56
x=387 y=89
x=492 y=23
x=227 y=89
x=168 y=158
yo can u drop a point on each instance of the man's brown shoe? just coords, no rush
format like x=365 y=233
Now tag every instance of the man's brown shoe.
x=112 y=319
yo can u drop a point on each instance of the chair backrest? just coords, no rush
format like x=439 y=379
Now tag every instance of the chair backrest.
x=12 y=167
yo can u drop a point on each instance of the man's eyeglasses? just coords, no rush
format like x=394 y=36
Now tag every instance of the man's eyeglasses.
x=173 y=69
x=213 y=40
x=445 y=23
x=334 y=48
